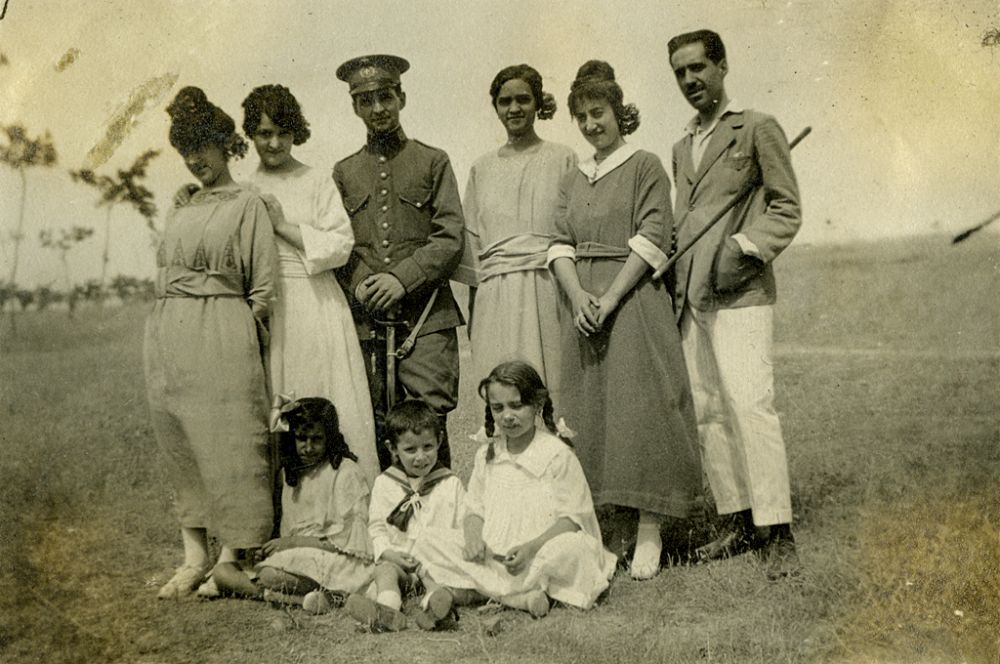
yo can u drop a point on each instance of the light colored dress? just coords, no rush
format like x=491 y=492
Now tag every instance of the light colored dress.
x=625 y=388
x=314 y=350
x=204 y=371
x=519 y=497
x=332 y=504
x=441 y=509
x=510 y=208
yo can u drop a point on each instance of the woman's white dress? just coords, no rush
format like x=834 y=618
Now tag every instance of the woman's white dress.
x=314 y=349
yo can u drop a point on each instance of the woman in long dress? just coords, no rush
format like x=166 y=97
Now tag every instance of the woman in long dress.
x=625 y=387
x=202 y=350
x=314 y=349
x=510 y=204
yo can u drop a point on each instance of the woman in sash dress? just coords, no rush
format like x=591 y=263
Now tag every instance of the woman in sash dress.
x=625 y=385
x=510 y=206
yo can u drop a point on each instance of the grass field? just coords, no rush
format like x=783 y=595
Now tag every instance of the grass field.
x=888 y=383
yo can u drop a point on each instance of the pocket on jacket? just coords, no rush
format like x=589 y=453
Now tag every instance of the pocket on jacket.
x=419 y=198
x=733 y=269
x=354 y=204
x=737 y=162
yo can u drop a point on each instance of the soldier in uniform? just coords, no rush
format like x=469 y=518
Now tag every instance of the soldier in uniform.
x=405 y=210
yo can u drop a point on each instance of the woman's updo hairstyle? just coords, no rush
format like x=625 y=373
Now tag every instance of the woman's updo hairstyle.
x=544 y=102
x=196 y=123
x=596 y=80
x=281 y=106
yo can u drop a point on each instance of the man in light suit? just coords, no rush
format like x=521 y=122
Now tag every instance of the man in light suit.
x=725 y=295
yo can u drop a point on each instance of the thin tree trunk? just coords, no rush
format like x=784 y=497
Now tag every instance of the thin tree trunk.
x=105 y=257
x=19 y=234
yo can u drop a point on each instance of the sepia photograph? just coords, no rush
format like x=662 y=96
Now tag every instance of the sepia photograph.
x=458 y=331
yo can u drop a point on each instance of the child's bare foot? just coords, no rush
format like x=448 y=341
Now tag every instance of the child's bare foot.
x=435 y=608
x=183 y=582
x=374 y=616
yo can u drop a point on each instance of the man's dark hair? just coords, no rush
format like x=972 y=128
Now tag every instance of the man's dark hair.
x=715 y=50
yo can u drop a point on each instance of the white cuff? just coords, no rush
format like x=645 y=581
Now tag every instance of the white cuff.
x=746 y=246
x=560 y=251
x=648 y=252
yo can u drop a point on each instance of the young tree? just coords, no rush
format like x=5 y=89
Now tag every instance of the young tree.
x=123 y=189
x=67 y=239
x=21 y=153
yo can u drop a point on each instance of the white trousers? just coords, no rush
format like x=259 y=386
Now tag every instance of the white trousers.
x=728 y=356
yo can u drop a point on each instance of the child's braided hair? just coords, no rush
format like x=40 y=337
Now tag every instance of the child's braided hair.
x=523 y=378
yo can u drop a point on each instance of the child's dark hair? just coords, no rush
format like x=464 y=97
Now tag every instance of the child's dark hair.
x=197 y=123
x=523 y=378
x=279 y=104
x=412 y=415
x=312 y=410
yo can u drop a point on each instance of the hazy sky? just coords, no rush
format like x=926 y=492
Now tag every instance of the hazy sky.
x=901 y=95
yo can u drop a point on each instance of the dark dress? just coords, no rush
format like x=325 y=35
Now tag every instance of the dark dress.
x=625 y=388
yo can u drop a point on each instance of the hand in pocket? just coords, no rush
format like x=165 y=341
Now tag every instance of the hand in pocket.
x=733 y=268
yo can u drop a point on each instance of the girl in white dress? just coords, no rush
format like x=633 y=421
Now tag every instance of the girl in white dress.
x=530 y=533
x=323 y=551
x=314 y=347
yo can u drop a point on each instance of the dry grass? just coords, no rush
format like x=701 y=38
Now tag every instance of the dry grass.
x=887 y=372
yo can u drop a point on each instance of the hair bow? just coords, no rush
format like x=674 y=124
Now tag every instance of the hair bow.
x=281 y=405
x=564 y=431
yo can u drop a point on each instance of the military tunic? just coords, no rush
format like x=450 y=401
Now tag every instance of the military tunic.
x=406 y=214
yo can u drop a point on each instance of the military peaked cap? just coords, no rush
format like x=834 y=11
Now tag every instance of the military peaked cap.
x=372 y=72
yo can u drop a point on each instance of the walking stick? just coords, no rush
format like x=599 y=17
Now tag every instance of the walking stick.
x=740 y=195
x=964 y=235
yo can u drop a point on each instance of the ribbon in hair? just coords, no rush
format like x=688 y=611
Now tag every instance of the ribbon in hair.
x=564 y=431
x=281 y=405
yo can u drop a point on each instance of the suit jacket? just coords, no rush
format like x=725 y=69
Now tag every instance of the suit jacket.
x=405 y=211
x=746 y=147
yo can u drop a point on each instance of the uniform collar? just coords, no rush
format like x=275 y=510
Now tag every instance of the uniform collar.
x=695 y=124
x=595 y=171
x=387 y=145
x=536 y=457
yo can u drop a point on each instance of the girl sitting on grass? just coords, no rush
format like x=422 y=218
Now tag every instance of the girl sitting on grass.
x=322 y=553
x=530 y=533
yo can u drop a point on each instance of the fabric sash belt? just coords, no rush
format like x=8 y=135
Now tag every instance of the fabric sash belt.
x=517 y=253
x=598 y=250
x=190 y=283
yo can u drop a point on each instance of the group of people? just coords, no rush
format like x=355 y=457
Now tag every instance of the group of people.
x=331 y=299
